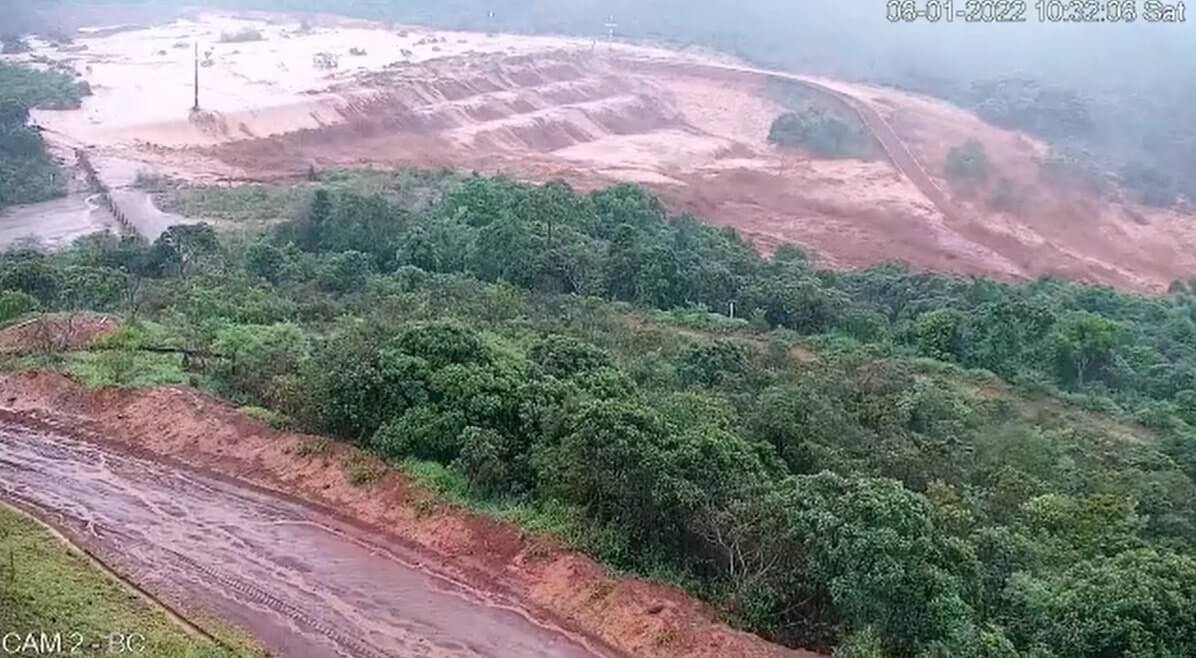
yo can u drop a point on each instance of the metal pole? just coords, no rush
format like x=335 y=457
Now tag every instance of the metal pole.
x=195 y=108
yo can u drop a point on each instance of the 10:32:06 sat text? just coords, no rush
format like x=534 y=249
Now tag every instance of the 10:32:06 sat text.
x=1042 y=11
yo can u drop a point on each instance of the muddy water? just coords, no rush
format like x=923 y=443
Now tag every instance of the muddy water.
x=303 y=585
x=53 y=224
x=143 y=215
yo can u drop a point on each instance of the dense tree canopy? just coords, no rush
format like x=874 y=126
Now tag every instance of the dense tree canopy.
x=26 y=172
x=960 y=467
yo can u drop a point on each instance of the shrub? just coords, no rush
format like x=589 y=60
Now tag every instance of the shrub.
x=241 y=36
x=14 y=304
x=268 y=416
x=362 y=471
x=822 y=133
x=968 y=161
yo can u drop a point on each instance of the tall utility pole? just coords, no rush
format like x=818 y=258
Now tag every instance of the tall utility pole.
x=195 y=108
x=610 y=29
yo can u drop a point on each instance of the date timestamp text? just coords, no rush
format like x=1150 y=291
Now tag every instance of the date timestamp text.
x=1041 y=11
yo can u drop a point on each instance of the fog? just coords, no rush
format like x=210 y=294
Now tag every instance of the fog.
x=1129 y=86
x=844 y=37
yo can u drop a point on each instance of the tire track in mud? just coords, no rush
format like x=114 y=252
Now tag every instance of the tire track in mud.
x=250 y=593
x=293 y=578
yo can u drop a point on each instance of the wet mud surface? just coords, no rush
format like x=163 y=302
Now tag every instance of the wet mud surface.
x=53 y=224
x=301 y=582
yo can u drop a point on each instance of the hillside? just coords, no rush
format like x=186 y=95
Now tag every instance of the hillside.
x=692 y=126
x=991 y=461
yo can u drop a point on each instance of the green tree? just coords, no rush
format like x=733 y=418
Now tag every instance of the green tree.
x=565 y=357
x=259 y=362
x=1084 y=343
x=1137 y=603
x=345 y=272
x=874 y=550
x=611 y=461
x=940 y=334
x=182 y=247
x=14 y=304
x=822 y=132
x=265 y=261
x=713 y=364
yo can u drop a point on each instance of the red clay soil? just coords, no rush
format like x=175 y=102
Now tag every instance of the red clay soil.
x=56 y=332
x=696 y=134
x=1056 y=228
x=639 y=618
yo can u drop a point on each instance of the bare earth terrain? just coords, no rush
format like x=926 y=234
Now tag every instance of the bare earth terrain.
x=267 y=550
x=692 y=126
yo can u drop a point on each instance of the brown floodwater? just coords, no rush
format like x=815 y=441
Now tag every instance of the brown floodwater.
x=53 y=224
x=301 y=582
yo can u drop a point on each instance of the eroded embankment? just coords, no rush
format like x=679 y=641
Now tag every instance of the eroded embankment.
x=465 y=115
x=272 y=535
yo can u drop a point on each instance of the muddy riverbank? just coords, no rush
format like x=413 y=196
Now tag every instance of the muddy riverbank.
x=53 y=224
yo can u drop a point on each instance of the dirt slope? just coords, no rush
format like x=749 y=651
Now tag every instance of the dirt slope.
x=641 y=619
x=690 y=125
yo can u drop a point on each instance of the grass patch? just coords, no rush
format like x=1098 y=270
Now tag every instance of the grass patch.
x=314 y=448
x=565 y=523
x=46 y=588
x=260 y=205
x=447 y=482
x=269 y=416
x=241 y=204
x=125 y=369
x=363 y=471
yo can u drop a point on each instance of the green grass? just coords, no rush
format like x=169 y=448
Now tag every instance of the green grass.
x=29 y=179
x=268 y=416
x=363 y=471
x=47 y=588
x=125 y=369
x=243 y=205
x=565 y=523
x=49 y=89
x=259 y=205
x=446 y=481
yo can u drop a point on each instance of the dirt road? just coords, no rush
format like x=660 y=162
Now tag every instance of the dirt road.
x=302 y=583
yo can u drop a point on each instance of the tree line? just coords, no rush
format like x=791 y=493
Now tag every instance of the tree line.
x=27 y=173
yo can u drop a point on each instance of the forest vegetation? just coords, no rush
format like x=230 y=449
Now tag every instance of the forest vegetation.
x=882 y=463
x=27 y=172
